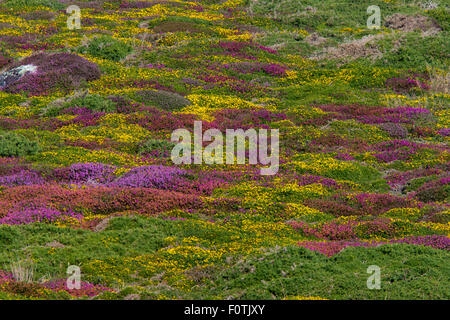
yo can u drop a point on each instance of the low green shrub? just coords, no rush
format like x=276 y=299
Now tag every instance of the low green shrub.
x=106 y=47
x=168 y=101
x=15 y=145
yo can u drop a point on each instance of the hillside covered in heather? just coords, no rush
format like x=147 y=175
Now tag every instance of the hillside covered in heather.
x=88 y=107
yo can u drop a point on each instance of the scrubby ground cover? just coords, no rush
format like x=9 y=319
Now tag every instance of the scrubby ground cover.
x=86 y=177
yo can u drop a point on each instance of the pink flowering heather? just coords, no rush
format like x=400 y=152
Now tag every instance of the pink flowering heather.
x=330 y=248
x=32 y=215
x=64 y=70
x=60 y=285
x=89 y=118
x=444 y=132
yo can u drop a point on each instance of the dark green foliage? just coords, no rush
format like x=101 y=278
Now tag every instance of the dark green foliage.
x=407 y=272
x=107 y=47
x=156 y=147
x=15 y=145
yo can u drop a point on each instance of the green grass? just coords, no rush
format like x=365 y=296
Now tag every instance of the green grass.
x=407 y=272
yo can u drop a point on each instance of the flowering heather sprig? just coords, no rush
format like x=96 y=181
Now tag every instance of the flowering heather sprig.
x=46 y=215
x=395 y=130
x=136 y=4
x=330 y=231
x=273 y=69
x=310 y=179
x=331 y=248
x=154 y=119
x=222 y=81
x=77 y=111
x=205 y=182
x=361 y=204
x=6 y=276
x=24 y=177
x=59 y=70
x=333 y=207
x=159 y=177
x=444 y=132
x=434 y=241
x=156 y=66
x=86 y=120
x=352 y=229
x=10 y=166
x=402 y=149
x=86 y=288
x=267 y=49
x=408 y=112
x=4 y=60
x=197 y=7
x=435 y=190
x=236 y=48
x=40 y=124
x=244 y=119
x=173 y=218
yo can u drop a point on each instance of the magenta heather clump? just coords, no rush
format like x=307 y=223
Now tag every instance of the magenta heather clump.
x=32 y=215
x=24 y=177
x=444 y=132
x=93 y=173
x=395 y=150
x=65 y=71
x=310 y=179
x=158 y=177
x=86 y=288
x=400 y=178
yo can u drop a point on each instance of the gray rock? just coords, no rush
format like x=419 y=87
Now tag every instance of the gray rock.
x=11 y=76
